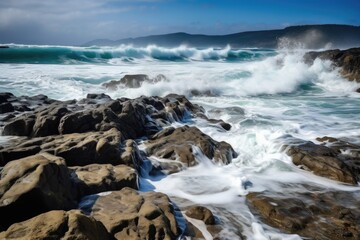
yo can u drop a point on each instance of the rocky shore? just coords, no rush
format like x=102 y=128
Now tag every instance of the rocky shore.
x=347 y=60
x=74 y=168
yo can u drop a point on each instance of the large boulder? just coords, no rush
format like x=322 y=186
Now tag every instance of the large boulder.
x=58 y=224
x=178 y=145
x=78 y=149
x=314 y=215
x=348 y=60
x=129 y=214
x=33 y=185
x=96 y=178
x=322 y=161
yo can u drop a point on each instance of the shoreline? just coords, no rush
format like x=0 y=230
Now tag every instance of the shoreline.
x=80 y=141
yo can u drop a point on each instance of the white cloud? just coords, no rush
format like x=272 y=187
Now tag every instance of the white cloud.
x=69 y=20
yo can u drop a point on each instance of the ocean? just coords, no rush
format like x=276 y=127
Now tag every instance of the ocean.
x=267 y=95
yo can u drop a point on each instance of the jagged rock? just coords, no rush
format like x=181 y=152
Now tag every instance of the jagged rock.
x=96 y=178
x=314 y=215
x=348 y=60
x=133 y=81
x=78 y=149
x=322 y=161
x=136 y=118
x=58 y=225
x=201 y=213
x=128 y=214
x=177 y=144
x=43 y=181
x=48 y=119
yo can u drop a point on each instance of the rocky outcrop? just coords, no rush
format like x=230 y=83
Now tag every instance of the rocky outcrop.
x=43 y=181
x=314 y=215
x=58 y=225
x=178 y=144
x=65 y=151
x=96 y=178
x=77 y=149
x=128 y=214
x=136 y=118
x=348 y=60
x=322 y=161
x=133 y=81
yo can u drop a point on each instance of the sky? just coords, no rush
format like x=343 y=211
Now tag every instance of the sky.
x=74 y=22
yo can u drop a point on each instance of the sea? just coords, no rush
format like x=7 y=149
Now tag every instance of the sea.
x=267 y=95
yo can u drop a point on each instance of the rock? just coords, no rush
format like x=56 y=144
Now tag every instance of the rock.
x=347 y=152
x=48 y=119
x=201 y=213
x=212 y=121
x=20 y=126
x=58 y=224
x=133 y=81
x=128 y=214
x=98 y=96
x=348 y=60
x=178 y=144
x=5 y=96
x=96 y=178
x=314 y=215
x=133 y=118
x=78 y=149
x=292 y=216
x=6 y=107
x=42 y=180
x=206 y=93
x=130 y=154
x=322 y=161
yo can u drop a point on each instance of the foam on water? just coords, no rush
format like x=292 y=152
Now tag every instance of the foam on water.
x=281 y=96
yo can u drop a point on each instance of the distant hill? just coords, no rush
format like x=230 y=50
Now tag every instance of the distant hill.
x=309 y=36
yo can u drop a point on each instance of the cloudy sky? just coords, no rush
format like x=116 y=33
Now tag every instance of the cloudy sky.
x=71 y=22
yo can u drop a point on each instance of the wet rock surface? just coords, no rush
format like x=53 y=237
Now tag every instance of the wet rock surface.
x=348 y=60
x=95 y=178
x=58 y=225
x=128 y=214
x=315 y=215
x=133 y=81
x=77 y=149
x=61 y=152
x=326 y=161
x=42 y=180
x=179 y=144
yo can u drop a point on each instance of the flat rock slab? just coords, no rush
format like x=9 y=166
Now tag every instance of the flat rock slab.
x=34 y=185
x=129 y=214
x=314 y=215
x=58 y=225
x=96 y=178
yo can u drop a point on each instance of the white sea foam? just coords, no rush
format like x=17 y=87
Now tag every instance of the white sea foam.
x=281 y=97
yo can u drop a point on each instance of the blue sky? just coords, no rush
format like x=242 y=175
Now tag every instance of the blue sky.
x=79 y=21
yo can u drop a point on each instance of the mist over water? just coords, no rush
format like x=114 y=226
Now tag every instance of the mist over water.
x=266 y=95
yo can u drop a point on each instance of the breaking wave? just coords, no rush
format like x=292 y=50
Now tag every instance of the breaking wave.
x=126 y=53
